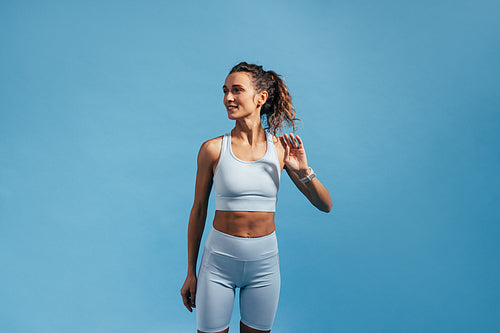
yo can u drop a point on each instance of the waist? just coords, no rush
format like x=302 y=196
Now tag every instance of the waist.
x=241 y=248
x=243 y=223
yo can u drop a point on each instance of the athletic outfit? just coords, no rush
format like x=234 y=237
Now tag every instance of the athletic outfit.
x=230 y=262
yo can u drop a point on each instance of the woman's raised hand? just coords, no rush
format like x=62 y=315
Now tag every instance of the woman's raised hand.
x=295 y=155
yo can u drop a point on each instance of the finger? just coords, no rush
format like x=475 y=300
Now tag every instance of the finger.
x=283 y=142
x=193 y=298
x=285 y=138
x=285 y=145
x=294 y=141
x=288 y=140
x=301 y=145
x=186 y=301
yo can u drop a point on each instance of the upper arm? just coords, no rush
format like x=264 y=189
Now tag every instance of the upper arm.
x=208 y=156
x=280 y=151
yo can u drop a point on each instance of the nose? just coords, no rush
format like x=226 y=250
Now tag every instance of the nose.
x=229 y=97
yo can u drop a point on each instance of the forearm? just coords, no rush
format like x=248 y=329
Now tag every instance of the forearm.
x=320 y=197
x=196 y=226
x=318 y=193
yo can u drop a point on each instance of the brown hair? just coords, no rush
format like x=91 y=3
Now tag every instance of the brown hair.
x=278 y=111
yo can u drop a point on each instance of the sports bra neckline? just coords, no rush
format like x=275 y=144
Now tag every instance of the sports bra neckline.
x=243 y=161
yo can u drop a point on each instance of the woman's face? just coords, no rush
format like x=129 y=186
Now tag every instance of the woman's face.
x=240 y=98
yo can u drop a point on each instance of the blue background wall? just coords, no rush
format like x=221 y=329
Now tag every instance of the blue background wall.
x=104 y=105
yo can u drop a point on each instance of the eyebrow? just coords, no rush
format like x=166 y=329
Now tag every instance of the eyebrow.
x=234 y=86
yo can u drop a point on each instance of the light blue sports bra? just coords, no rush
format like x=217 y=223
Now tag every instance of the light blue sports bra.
x=250 y=186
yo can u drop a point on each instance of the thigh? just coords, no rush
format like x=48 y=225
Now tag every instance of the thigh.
x=259 y=297
x=214 y=293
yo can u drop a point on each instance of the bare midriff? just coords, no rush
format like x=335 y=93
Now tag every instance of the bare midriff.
x=244 y=224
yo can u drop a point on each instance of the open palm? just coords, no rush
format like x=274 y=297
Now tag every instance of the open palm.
x=295 y=154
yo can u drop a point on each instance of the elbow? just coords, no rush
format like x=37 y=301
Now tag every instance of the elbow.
x=325 y=202
x=327 y=207
x=199 y=212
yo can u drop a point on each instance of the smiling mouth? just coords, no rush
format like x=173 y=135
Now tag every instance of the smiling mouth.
x=231 y=108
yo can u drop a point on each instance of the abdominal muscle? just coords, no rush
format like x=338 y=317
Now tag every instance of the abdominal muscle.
x=244 y=224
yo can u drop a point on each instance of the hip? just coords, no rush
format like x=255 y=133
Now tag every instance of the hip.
x=241 y=248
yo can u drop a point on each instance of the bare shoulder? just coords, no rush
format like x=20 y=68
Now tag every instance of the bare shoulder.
x=279 y=150
x=210 y=150
x=276 y=141
x=277 y=144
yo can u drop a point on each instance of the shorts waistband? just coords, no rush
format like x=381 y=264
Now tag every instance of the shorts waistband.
x=241 y=248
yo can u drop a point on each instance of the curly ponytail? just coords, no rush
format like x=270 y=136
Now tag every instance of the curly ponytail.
x=278 y=111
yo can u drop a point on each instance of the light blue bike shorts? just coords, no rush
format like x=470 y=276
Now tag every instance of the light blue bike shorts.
x=230 y=262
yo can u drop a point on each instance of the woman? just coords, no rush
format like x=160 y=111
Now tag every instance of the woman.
x=244 y=166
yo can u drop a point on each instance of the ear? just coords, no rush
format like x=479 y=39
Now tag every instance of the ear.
x=262 y=98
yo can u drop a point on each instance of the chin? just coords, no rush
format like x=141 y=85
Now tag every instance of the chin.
x=236 y=116
x=232 y=116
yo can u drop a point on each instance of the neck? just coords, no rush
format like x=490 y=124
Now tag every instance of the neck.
x=249 y=130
